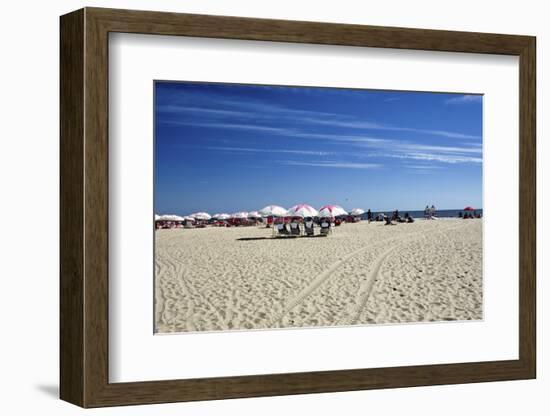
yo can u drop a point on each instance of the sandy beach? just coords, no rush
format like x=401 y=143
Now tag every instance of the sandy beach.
x=240 y=278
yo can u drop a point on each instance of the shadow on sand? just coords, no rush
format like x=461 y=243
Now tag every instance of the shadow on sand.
x=280 y=237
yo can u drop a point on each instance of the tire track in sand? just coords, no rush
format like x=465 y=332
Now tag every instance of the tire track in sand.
x=324 y=276
x=365 y=290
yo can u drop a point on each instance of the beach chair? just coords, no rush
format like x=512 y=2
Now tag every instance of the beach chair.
x=280 y=230
x=308 y=228
x=295 y=229
x=325 y=228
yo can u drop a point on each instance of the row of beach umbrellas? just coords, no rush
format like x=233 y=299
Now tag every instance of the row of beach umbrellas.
x=300 y=210
x=304 y=210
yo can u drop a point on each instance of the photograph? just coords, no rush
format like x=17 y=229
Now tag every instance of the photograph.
x=281 y=207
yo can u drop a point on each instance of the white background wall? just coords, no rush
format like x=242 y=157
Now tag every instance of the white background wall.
x=29 y=158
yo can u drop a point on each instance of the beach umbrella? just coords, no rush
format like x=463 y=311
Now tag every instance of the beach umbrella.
x=254 y=214
x=302 y=210
x=331 y=211
x=357 y=211
x=201 y=216
x=468 y=209
x=241 y=215
x=157 y=217
x=222 y=216
x=272 y=211
x=171 y=218
x=188 y=218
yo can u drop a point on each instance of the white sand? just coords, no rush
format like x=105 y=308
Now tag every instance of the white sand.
x=209 y=279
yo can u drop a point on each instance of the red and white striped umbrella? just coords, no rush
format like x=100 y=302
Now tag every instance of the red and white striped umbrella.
x=302 y=210
x=272 y=211
x=329 y=211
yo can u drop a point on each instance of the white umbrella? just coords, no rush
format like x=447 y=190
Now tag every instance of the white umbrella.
x=157 y=217
x=222 y=216
x=302 y=210
x=272 y=211
x=357 y=211
x=188 y=218
x=254 y=214
x=329 y=211
x=241 y=214
x=201 y=216
x=171 y=218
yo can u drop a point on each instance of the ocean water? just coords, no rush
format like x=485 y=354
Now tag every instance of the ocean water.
x=441 y=213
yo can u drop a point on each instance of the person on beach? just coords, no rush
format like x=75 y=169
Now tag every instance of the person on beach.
x=396 y=217
x=408 y=218
x=427 y=212
x=433 y=212
x=369 y=216
x=388 y=220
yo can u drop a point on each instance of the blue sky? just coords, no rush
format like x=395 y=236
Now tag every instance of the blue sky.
x=232 y=147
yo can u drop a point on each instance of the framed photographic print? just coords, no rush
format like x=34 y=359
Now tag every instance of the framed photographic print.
x=255 y=207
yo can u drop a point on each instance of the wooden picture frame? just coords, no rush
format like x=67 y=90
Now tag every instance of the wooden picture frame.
x=84 y=207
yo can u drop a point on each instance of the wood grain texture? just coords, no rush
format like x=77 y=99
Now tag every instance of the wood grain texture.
x=84 y=207
x=71 y=219
x=527 y=207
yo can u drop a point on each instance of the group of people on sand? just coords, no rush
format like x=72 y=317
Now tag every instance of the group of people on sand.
x=430 y=213
x=396 y=218
x=390 y=220
x=469 y=215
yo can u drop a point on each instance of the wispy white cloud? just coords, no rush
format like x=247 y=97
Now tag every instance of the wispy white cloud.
x=423 y=167
x=178 y=109
x=341 y=138
x=332 y=164
x=366 y=125
x=372 y=147
x=259 y=150
x=428 y=153
x=234 y=126
x=263 y=118
x=247 y=109
x=443 y=133
x=465 y=99
x=442 y=149
x=271 y=113
x=282 y=131
x=436 y=157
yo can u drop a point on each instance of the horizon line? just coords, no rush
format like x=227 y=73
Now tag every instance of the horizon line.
x=372 y=210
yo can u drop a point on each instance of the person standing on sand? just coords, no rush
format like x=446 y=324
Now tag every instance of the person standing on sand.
x=427 y=213
x=369 y=216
